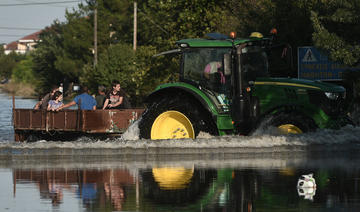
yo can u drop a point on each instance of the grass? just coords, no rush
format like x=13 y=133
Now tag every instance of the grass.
x=19 y=89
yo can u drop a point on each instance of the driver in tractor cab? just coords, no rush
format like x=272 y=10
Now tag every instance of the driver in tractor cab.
x=214 y=75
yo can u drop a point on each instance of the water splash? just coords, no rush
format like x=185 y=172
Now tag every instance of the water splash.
x=347 y=137
x=133 y=131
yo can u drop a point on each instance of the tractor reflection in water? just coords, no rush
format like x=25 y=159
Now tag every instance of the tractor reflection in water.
x=306 y=186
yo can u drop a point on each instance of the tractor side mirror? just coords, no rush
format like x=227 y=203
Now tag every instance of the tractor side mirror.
x=227 y=64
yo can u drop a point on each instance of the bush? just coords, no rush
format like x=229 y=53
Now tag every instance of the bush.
x=23 y=72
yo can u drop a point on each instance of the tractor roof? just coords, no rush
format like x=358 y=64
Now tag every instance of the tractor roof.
x=200 y=42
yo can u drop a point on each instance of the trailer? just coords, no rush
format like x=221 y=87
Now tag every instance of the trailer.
x=69 y=123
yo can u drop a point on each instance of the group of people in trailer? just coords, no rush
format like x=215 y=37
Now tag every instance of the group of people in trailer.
x=114 y=99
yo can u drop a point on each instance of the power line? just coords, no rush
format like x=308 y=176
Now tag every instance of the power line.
x=19 y=28
x=49 y=5
x=9 y=35
x=37 y=3
x=153 y=22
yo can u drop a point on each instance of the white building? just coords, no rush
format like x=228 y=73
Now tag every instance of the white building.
x=23 y=45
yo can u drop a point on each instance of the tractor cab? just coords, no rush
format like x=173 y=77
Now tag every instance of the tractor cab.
x=205 y=67
x=223 y=68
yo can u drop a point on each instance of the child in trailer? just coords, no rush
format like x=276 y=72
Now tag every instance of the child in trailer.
x=56 y=101
x=44 y=101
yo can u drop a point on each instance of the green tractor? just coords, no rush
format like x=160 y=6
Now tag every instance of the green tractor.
x=226 y=88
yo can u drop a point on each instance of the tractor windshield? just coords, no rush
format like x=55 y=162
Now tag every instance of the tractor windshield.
x=254 y=62
x=205 y=66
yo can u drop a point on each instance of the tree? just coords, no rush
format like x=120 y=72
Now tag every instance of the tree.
x=137 y=71
x=337 y=30
x=8 y=62
x=161 y=23
x=23 y=72
x=2 y=51
x=45 y=57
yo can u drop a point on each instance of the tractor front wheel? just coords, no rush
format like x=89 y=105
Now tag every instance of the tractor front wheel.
x=292 y=123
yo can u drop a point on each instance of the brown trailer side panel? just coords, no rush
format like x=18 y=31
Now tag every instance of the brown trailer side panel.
x=27 y=121
x=109 y=121
x=62 y=120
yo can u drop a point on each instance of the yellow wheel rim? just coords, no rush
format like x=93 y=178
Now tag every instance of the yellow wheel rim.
x=289 y=129
x=172 y=178
x=172 y=125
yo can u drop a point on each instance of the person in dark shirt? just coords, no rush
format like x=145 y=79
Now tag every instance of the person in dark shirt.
x=100 y=97
x=114 y=99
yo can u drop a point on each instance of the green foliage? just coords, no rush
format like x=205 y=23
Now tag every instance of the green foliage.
x=45 y=57
x=337 y=30
x=7 y=64
x=136 y=71
x=252 y=16
x=161 y=23
x=2 y=51
x=23 y=72
x=78 y=39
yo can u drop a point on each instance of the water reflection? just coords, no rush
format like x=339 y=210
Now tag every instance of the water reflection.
x=95 y=188
x=6 y=128
x=154 y=186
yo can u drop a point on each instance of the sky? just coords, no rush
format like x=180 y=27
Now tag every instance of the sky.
x=19 y=18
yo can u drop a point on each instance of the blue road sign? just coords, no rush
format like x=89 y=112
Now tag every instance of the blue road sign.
x=315 y=66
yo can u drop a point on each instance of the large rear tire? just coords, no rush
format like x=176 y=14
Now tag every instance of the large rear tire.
x=175 y=118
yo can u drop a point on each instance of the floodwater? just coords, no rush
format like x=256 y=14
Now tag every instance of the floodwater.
x=261 y=172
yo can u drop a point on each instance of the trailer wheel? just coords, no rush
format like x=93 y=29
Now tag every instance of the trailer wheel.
x=174 y=118
x=292 y=123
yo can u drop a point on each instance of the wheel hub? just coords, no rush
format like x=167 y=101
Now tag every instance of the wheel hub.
x=172 y=178
x=289 y=129
x=172 y=125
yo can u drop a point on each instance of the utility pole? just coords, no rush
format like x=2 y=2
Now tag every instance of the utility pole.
x=95 y=36
x=135 y=25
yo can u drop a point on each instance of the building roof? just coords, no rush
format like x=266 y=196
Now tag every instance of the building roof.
x=11 y=46
x=31 y=38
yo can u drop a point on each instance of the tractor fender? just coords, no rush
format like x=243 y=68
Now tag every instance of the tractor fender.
x=189 y=90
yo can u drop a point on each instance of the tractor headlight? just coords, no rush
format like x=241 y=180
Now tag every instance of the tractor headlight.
x=332 y=95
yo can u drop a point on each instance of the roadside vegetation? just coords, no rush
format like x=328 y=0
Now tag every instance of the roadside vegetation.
x=66 y=51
